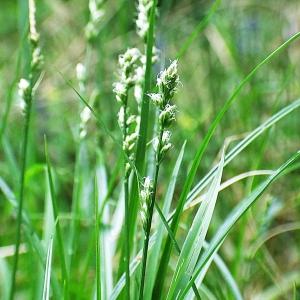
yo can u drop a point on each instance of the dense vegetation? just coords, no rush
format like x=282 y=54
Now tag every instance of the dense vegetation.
x=149 y=149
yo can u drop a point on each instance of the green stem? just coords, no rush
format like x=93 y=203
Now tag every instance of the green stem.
x=21 y=195
x=142 y=137
x=127 y=231
x=126 y=203
x=97 y=242
x=150 y=216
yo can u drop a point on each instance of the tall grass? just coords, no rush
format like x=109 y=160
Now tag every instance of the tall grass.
x=127 y=214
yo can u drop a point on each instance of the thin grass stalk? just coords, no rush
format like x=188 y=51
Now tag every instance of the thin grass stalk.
x=142 y=137
x=149 y=219
x=21 y=195
x=126 y=204
x=26 y=93
x=97 y=242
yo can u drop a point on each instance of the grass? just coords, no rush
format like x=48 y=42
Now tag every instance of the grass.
x=141 y=204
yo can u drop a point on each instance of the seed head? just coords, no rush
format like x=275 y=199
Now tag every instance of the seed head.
x=120 y=90
x=168 y=80
x=168 y=115
x=157 y=99
x=145 y=196
x=142 y=21
x=33 y=34
x=81 y=72
x=96 y=15
x=24 y=89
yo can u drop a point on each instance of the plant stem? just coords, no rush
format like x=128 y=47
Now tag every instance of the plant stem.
x=127 y=244
x=21 y=195
x=97 y=227
x=126 y=203
x=142 y=137
x=149 y=217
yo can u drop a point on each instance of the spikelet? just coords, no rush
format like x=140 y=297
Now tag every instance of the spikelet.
x=167 y=83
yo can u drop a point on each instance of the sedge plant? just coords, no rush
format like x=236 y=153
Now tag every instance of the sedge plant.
x=128 y=222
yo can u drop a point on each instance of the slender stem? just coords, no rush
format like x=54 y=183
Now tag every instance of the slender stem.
x=97 y=242
x=21 y=195
x=127 y=244
x=142 y=137
x=149 y=217
x=126 y=202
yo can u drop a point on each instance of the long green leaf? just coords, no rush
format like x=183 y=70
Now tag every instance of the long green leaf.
x=196 y=236
x=57 y=223
x=46 y=290
x=198 y=156
x=106 y=259
x=231 y=220
x=31 y=236
x=243 y=144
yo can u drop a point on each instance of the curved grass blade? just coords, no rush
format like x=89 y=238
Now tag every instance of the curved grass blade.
x=58 y=231
x=31 y=236
x=196 y=236
x=190 y=178
x=97 y=242
x=228 y=158
x=231 y=220
x=243 y=144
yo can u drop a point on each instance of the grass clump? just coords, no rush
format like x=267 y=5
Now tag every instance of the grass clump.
x=107 y=204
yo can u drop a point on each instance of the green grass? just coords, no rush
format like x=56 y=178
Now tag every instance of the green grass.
x=221 y=218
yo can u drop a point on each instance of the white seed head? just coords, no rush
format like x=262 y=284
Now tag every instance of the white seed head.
x=155 y=144
x=23 y=84
x=85 y=115
x=138 y=93
x=166 y=137
x=33 y=34
x=37 y=58
x=139 y=74
x=80 y=72
x=157 y=99
x=120 y=89
x=24 y=89
x=168 y=115
x=121 y=116
x=168 y=81
x=130 y=57
x=83 y=133
x=96 y=16
x=142 y=21
x=147 y=183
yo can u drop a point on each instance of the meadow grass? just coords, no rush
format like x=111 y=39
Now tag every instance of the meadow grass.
x=155 y=154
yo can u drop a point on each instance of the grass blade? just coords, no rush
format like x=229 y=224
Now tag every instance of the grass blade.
x=195 y=238
x=97 y=244
x=231 y=220
x=243 y=144
x=46 y=289
x=57 y=223
x=190 y=178
x=154 y=256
